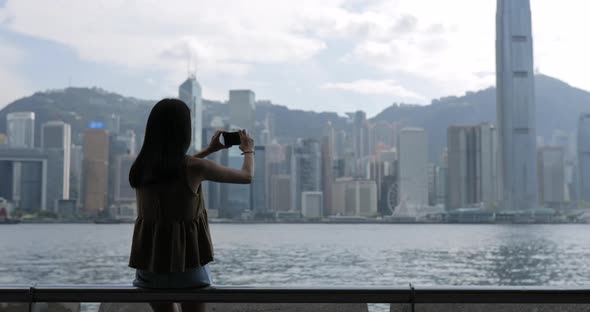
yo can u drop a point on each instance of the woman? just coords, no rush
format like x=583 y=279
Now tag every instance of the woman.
x=171 y=242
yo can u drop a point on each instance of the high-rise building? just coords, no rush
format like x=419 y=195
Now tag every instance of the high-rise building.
x=341 y=144
x=432 y=172
x=551 y=176
x=327 y=168
x=307 y=169
x=583 y=147
x=76 y=170
x=442 y=179
x=339 y=192
x=312 y=205
x=96 y=171
x=259 y=186
x=190 y=93
x=236 y=198
x=280 y=190
x=516 y=105
x=413 y=167
x=124 y=193
x=24 y=178
x=242 y=109
x=56 y=140
x=213 y=190
x=355 y=197
x=377 y=170
x=472 y=163
x=113 y=124
x=20 y=128
x=120 y=144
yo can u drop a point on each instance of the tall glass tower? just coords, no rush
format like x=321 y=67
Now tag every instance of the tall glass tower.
x=190 y=93
x=516 y=105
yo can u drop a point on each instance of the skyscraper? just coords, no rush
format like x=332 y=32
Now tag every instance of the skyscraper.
x=413 y=167
x=23 y=181
x=236 y=198
x=551 y=176
x=21 y=129
x=327 y=167
x=242 y=109
x=280 y=190
x=96 y=170
x=190 y=93
x=471 y=165
x=516 y=105
x=584 y=157
x=124 y=193
x=259 y=186
x=56 y=140
x=307 y=169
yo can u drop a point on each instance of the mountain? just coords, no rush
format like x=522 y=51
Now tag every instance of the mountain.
x=79 y=106
x=558 y=107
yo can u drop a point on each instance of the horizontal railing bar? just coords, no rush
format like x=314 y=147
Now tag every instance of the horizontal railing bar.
x=240 y=294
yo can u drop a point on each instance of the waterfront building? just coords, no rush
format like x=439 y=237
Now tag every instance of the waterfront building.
x=306 y=170
x=236 y=199
x=312 y=205
x=190 y=93
x=413 y=167
x=472 y=165
x=124 y=193
x=56 y=140
x=24 y=178
x=20 y=128
x=327 y=164
x=280 y=190
x=260 y=185
x=353 y=197
x=516 y=105
x=583 y=151
x=551 y=161
x=96 y=171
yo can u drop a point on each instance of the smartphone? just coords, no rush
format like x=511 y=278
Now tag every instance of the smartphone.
x=230 y=139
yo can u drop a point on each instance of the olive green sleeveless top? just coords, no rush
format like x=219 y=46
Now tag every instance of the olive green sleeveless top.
x=171 y=232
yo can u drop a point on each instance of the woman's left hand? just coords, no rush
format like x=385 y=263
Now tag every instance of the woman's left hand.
x=215 y=145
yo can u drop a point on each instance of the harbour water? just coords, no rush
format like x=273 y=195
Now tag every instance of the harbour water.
x=315 y=254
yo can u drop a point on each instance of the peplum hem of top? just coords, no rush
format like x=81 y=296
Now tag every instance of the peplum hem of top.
x=171 y=246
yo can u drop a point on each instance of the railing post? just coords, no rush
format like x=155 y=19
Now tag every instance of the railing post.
x=412 y=298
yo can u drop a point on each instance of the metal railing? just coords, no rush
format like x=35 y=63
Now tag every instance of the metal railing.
x=238 y=294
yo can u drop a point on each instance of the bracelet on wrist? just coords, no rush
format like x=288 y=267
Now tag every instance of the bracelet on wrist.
x=248 y=152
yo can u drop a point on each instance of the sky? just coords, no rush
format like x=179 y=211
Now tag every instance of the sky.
x=321 y=55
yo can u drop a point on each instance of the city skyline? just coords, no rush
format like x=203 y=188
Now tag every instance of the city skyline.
x=344 y=54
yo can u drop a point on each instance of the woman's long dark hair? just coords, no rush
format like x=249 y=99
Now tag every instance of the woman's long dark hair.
x=167 y=139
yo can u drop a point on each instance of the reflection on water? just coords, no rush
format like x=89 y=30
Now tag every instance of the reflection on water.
x=314 y=254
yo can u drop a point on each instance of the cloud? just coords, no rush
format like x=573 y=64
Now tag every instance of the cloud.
x=386 y=87
x=157 y=33
x=13 y=84
x=433 y=48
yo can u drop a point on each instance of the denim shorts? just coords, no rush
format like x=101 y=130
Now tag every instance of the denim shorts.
x=194 y=278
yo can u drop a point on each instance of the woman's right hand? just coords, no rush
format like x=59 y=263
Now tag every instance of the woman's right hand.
x=246 y=142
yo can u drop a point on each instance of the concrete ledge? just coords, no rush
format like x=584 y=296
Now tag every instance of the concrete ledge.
x=448 y=307
x=247 y=307
x=40 y=307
